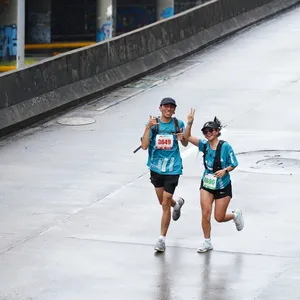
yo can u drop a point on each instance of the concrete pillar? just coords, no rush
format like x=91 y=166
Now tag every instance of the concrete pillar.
x=8 y=30
x=9 y=11
x=21 y=34
x=105 y=19
x=164 y=9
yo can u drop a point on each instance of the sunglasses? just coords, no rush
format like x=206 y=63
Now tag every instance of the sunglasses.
x=206 y=131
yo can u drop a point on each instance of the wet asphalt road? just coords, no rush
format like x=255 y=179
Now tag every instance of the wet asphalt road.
x=79 y=218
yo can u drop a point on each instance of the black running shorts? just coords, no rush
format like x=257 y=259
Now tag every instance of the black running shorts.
x=218 y=194
x=168 y=182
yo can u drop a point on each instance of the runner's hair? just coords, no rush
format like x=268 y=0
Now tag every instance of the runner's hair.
x=219 y=124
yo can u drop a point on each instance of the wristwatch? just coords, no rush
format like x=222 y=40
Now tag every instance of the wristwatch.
x=226 y=170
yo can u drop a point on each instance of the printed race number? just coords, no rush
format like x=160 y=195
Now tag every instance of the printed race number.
x=164 y=142
x=210 y=181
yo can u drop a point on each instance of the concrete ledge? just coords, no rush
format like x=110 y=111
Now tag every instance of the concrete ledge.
x=31 y=94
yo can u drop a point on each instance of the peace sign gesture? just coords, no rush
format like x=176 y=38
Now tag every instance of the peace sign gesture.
x=191 y=115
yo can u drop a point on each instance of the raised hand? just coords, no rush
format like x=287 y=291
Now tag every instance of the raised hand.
x=152 y=122
x=191 y=115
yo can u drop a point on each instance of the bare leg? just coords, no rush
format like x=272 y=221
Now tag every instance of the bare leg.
x=166 y=216
x=159 y=193
x=206 y=201
x=221 y=206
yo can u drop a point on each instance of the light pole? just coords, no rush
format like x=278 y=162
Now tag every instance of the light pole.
x=20 y=34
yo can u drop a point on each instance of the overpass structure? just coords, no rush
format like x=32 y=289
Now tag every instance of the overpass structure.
x=79 y=217
x=52 y=22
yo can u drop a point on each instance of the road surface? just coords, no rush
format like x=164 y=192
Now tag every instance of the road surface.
x=79 y=217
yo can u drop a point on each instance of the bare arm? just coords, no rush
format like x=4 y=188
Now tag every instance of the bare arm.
x=222 y=172
x=184 y=142
x=181 y=138
x=188 y=137
x=229 y=169
x=146 y=138
x=146 y=135
x=187 y=133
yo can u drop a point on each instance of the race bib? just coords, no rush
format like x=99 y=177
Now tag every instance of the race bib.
x=164 y=142
x=210 y=181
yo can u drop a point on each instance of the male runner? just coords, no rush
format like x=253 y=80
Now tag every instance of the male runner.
x=161 y=137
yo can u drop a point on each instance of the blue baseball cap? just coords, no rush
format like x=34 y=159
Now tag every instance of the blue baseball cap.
x=168 y=100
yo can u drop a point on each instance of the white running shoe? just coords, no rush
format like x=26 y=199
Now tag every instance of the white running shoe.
x=205 y=246
x=160 y=246
x=177 y=212
x=238 y=219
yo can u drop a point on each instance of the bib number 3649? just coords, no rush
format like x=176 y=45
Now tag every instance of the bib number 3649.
x=164 y=142
x=210 y=181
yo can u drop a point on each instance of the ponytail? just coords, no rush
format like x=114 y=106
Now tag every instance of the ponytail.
x=219 y=124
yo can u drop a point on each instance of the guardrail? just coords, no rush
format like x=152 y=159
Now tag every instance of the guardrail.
x=72 y=45
x=7 y=68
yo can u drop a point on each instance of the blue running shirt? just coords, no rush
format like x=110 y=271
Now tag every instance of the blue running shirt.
x=164 y=154
x=228 y=158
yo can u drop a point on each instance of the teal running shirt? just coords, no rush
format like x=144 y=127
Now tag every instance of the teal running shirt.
x=228 y=158
x=163 y=152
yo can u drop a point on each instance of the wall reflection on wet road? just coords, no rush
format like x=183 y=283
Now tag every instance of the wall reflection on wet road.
x=214 y=281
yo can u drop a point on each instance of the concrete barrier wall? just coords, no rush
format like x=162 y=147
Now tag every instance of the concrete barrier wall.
x=50 y=86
